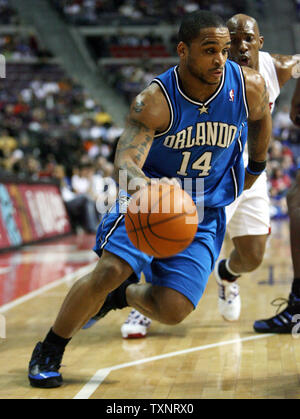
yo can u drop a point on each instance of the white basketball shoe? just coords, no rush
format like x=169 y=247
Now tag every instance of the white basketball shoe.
x=229 y=301
x=135 y=326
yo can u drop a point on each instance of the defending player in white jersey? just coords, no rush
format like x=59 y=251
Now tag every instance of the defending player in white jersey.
x=287 y=320
x=248 y=219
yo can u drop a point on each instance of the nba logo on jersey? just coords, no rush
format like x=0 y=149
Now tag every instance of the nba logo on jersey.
x=231 y=95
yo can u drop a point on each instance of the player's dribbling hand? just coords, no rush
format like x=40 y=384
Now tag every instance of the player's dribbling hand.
x=169 y=181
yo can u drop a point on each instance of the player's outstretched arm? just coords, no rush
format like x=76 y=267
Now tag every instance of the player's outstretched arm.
x=295 y=105
x=149 y=113
x=287 y=67
x=259 y=125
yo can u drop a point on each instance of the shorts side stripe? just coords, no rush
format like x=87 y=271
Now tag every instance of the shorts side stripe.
x=235 y=183
x=111 y=231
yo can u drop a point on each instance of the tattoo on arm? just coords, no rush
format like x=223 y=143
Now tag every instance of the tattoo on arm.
x=296 y=67
x=132 y=150
x=139 y=106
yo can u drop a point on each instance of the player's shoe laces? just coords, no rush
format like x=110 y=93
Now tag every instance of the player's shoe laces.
x=44 y=366
x=135 y=326
x=114 y=301
x=229 y=300
x=283 y=322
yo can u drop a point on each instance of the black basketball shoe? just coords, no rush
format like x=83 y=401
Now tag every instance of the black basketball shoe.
x=283 y=322
x=44 y=366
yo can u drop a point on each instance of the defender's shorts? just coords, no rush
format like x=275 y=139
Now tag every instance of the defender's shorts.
x=249 y=214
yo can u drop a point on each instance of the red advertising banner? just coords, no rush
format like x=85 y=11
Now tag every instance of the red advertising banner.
x=31 y=212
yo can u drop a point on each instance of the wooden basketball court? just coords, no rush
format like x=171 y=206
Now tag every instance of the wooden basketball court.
x=204 y=357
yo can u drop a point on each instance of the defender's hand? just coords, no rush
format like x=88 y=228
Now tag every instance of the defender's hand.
x=249 y=180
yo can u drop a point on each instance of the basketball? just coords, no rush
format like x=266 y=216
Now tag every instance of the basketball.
x=161 y=220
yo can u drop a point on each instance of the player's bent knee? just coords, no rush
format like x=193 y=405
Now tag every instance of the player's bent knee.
x=174 y=318
x=173 y=307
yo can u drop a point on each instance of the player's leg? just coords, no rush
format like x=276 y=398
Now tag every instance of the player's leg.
x=246 y=256
x=88 y=294
x=285 y=322
x=248 y=227
x=104 y=286
x=153 y=303
x=81 y=303
x=137 y=324
x=248 y=253
x=158 y=302
x=180 y=281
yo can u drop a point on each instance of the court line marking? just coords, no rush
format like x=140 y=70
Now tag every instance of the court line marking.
x=69 y=277
x=87 y=391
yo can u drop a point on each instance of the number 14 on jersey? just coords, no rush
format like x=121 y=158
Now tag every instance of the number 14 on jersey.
x=202 y=164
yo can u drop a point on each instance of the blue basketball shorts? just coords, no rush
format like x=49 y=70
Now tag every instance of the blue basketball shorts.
x=187 y=272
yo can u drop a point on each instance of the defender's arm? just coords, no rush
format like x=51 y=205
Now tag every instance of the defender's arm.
x=287 y=67
x=259 y=125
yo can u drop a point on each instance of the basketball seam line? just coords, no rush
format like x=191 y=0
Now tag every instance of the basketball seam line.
x=158 y=222
x=166 y=238
x=149 y=244
x=135 y=230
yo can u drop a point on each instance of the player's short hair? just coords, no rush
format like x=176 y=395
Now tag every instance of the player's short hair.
x=192 y=23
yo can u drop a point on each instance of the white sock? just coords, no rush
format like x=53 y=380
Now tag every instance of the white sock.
x=229 y=269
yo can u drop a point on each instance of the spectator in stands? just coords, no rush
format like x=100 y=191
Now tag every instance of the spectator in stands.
x=280 y=182
x=81 y=209
x=282 y=122
x=7 y=144
x=87 y=181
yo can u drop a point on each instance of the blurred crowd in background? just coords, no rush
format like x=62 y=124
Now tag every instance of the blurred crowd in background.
x=50 y=128
x=297 y=4
x=8 y=15
x=21 y=47
x=92 y=12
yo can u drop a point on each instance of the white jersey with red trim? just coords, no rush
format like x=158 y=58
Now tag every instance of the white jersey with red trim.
x=268 y=71
x=250 y=214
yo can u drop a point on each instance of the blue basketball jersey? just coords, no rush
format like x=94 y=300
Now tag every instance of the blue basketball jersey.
x=203 y=144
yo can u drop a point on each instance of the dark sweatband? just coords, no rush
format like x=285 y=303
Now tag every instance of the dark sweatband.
x=256 y=167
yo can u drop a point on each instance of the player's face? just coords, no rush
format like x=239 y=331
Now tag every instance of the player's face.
x=206 y=56
x=245 y=44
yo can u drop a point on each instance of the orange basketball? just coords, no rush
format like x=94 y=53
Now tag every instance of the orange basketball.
x=161 y=220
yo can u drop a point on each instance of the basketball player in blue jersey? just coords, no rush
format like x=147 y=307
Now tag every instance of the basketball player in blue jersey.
x=248 y=217
x=188 y=123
